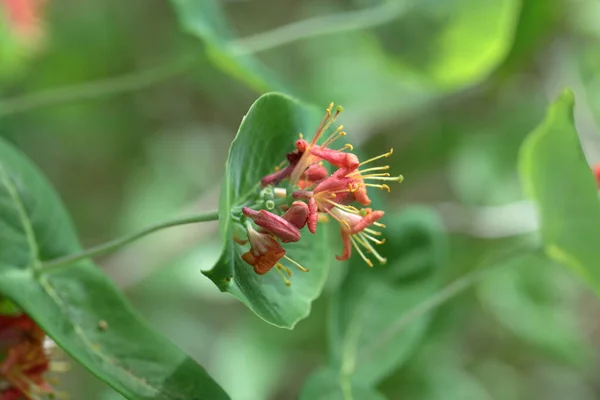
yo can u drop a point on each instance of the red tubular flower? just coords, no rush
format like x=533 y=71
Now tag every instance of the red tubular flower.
x=356 y=232
x=321 y=196
x=278 y=226
x=26 y=362
x=265 y=251
x=297 y=214
x=337 y=158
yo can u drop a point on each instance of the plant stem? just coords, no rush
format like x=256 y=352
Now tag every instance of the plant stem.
x=94 y=89
x=113 y=245
x=381 y=14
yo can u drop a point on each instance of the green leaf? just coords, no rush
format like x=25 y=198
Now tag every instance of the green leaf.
x=556 y=176
x=205 y=20
x=532 y=299
x=365 y=339
x=266 y=134
x=79 y=307
x=460 y=41
x=327 y=384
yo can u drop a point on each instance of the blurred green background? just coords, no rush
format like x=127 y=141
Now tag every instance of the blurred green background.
x=129 y=108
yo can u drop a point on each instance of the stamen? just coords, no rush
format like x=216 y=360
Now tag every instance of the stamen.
x=369 y=262
x=342 y=222
x=389 y=153
x=286 y=269
x=321 y=127
x=285 y=279
x=347 y=146
x=375 y=175
x=296 y=264
x=350 y=209
x=398 y=178
x=372 y=239
x=358 y=172
x=379 y=224
x=372 y=232
x=372 y=250
x=383 y=186
x=334 y=136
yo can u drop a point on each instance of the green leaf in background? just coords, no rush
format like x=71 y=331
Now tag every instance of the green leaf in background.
x=531 y=297
x=467 y=40
x=205 y=20
x=556 y=176
x=266 y=134
x=79 y=307
x=371 y=332
x=370 y=302
x=328 y=384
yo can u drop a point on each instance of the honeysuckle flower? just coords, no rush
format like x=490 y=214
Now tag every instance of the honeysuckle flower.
x=265 y=251
x=24 y=345
x=356 y=232
x=317 y=196
x=278 y=226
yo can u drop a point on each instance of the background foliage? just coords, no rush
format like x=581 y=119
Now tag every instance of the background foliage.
x=129 y=109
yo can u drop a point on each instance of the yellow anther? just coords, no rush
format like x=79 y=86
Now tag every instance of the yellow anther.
x=379 y=224
x=279 y=267
x=386 y=188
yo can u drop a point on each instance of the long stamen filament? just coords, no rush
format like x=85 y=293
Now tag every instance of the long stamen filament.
x=374 y=175
x=349 y=209
x=372 y=232
x=398 y=178
x=279 y=268
x=389 y=153
x=382 y=168
x=360 y=252
x=383 y=186
x=372 y=250
x=371 y=238
x=334 y=136
x=379 y=224
x=321 y=127
x=296 y=264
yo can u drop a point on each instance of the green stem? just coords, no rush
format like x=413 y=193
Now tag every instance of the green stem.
x=113 y=245
x=104 y=87
x=384 y=13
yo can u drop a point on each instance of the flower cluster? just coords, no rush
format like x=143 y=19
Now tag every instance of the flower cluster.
x=24 y=349
x=316 y=195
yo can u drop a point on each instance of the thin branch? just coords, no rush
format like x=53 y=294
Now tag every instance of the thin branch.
x=311 y=27
x=104 y=87
x=387 y=12
x=113 y=245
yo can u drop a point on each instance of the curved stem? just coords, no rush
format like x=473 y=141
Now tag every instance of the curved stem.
x=113 y=245
x=103 y=87
x=384 y=13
